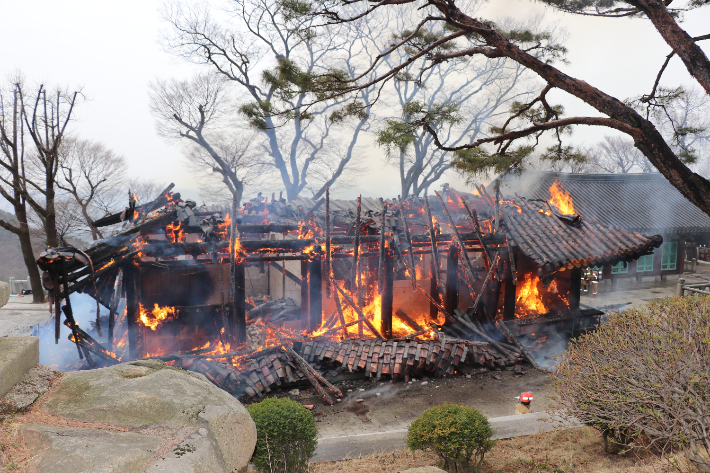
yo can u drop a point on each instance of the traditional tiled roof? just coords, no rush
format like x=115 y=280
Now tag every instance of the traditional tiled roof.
x=554 y=240
x=644 y=202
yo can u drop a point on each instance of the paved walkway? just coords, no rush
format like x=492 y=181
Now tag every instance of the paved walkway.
x=20 y=315
x=353 y=445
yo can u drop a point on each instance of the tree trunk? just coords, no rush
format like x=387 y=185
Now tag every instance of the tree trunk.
x=677 y=38
x=50 y=221
x=29 y=258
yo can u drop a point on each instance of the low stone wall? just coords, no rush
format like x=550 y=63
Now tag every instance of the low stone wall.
x=4 y=293
x=18 y=355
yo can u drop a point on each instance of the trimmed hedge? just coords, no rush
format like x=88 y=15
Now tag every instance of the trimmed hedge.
x=459 y=435
x=286 y=436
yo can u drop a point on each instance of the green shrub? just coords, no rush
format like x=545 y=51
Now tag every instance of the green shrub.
x=642 y=379
x=459 y=435
x=286 y=436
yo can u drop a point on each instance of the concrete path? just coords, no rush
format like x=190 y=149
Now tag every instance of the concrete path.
x=20 y=315
x=351 y=446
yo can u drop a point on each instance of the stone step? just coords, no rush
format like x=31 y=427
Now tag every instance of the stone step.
x=18 y=355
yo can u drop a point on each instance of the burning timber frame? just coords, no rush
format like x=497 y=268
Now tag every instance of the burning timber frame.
x=521 y=238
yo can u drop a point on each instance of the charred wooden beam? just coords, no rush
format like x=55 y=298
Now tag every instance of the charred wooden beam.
x=451 y=300
x=458 y=240
x=504 y=328
x=285 y=271
x=357 y=309
x=266 y=228
x=305 y=314
x=387 y=294
x=132 y=283
x=434 y=251
x=410 y=322
x=575 y=288
x=316 y=291
x=405 y=225
x=381 y=260
x=328 y=260
x=238 y=322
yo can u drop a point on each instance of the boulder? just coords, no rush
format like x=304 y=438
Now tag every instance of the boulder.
x=4 y=293
x=141 y=416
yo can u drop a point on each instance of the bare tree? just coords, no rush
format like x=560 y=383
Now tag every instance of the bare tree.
x=617 y=154
x=471 y=35
x=145 y=190
x=46 y=119
x=12 y=183
x=94 y=177
x=187 y=109
x=269 y=54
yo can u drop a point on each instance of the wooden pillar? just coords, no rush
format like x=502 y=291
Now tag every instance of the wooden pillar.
x=452 y=280
x=388 y=293
x=238 y=324
x=305 y=314
x=434 y=292
x=315 y=289
x=575 y=287
x=132 y=282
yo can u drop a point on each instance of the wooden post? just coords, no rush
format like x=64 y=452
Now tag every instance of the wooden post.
x=315 y=290
x=305 y=314
x=452 y=280
x=575 y=287
x=434 y=293
x=132 y=282
x=509 y=288
x=387 y=293
x=238 y=324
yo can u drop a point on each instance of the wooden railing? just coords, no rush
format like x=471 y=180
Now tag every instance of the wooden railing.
x=696 y=288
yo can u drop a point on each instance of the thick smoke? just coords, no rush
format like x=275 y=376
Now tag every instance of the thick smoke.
x=64 y=354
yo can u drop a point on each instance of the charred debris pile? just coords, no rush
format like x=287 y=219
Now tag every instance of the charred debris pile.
x=304 y=291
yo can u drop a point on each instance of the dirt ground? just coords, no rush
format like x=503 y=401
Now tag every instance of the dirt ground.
x=399 y=403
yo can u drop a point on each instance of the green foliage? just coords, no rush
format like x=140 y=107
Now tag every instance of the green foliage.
x=397 y=135
x=567 y=154
x=256 y=113
x=356 y=109
x=642 y=379
x=288 y=80
x=474 y=162
x=286 y=436
x=293 y=10
x=422 y=39
x=459 y=435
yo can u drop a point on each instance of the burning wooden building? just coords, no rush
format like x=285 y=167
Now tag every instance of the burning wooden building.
x=385 y=287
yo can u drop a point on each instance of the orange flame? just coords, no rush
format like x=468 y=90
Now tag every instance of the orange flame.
x=528 y=300
x=157 y=316
x=561 y=198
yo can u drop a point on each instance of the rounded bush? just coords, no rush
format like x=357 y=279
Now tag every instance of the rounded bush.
x=643 y=378
x=459 y=435
x=286 y=436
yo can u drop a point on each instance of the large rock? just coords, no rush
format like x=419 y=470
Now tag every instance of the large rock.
x=142 y=416
x=4 y=293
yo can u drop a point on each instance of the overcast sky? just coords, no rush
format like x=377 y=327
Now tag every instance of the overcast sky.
x=111 y=49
